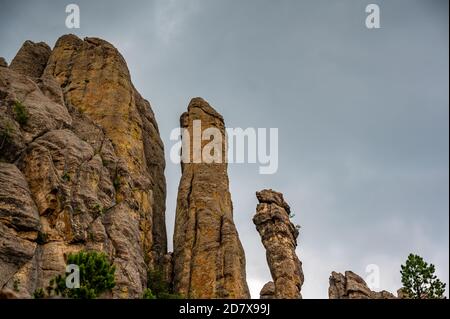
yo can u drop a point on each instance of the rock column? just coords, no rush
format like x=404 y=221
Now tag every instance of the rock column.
x=209 y=260
x=279 y=237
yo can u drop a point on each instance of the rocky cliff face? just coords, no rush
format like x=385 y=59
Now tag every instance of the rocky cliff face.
x=352 y=286
x=279 y=237
x=83 y=166
x=209 y=261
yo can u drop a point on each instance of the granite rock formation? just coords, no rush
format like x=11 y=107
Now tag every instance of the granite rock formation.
x=208 y=257
x=83 y=167
x=86 y=68
x=352 y=286
x=31 y=59
x=279 y=237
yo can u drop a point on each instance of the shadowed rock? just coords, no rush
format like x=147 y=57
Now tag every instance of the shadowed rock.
x=19 y=227
x=3 y=63
x=268 y=291
x=31 y=59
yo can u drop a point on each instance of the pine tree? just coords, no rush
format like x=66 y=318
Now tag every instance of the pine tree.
x=419 y=280
x=158 y=287
x=96 y=276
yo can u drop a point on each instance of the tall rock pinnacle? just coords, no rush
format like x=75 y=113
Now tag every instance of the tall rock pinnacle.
x=279 y=237
x=209 y=260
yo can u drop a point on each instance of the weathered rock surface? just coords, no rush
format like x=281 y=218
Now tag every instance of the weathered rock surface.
x=19 y=227
x=209 y=260
x=352 y=286
x=279 y=237
x=42 y=113
x=268 y=291
x=87 y=167
x=31 y=59
x=86 y=68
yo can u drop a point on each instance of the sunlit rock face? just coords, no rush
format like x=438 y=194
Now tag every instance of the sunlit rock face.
x=209 y=260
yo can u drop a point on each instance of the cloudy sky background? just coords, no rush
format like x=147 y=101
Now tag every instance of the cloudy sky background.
x=362 y=114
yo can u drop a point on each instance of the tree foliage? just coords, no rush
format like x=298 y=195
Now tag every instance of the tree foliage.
x=419 y=280
x=148 y=294
x=21 y=113
x=96 y=276
x=158 y=287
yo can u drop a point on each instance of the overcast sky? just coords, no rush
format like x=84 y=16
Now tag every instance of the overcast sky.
x=363 y=115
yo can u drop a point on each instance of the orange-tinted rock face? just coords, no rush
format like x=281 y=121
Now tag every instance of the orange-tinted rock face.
x=209 y=261
x=96 y=82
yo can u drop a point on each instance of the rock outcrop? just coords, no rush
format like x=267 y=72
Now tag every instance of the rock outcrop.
x=84 y=167
x=352 y=286
x=31 y=59
x=209 y=260
x=267 y=291
x=279 y=237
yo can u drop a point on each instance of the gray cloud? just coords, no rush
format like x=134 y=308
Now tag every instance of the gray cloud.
x=362 y=114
